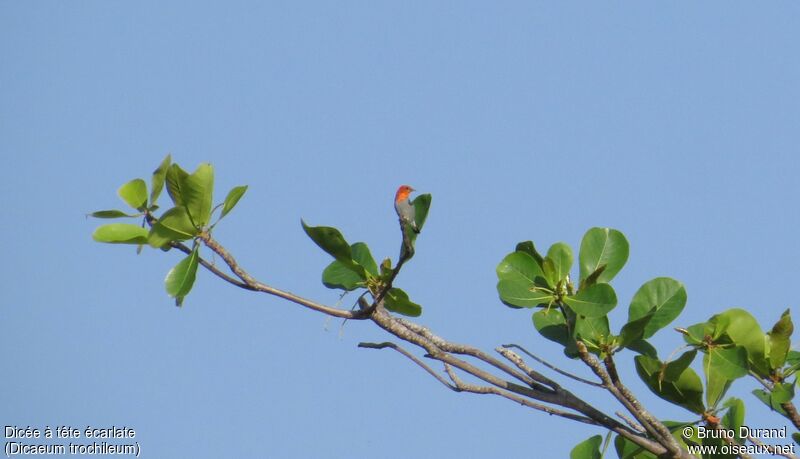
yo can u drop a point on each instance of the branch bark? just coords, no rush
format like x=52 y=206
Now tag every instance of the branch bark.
x=653 y=426
x=252 y=284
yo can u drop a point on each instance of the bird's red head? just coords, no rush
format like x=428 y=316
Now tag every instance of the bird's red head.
x=402 y=193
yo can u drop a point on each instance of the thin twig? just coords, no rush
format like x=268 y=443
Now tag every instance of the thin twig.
x=514 y=358
x=411 y=356
x=462 y=349
x=476 y=389
x=634 y=425
x=553 y=367
x=210 y=266
x=248 y=282
x=405 y=331
x=253 y=284
x=640 y=441
x=406 y=252
x=767 y=385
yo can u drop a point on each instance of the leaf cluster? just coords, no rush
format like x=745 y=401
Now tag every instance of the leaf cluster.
x=354 y=267
x=188 y=219
x=732 y=344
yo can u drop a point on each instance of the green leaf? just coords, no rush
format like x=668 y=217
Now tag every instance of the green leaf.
x=330 y=240
x=233 y=197
x=386 y=269
x=198 y=194
x=134 y=193
x=592 y=330
x=717 y=328
x=337 y=275
x=744 y=330
x=673 y=370
x=550 y=323
x=520 y=267
x=157 y=182
x=591 y=279
x=362 y=256
x=177 y=220
x=397 y=301
x=627 y=449
x=175 y=183
x=734 y=416
x=781 y=393
x=694 y=334
x=522 y=294
x=112 y=214
x=587 y=449
x=634 y=330
x=174 y=225
x=180 y=279
x=729 y=362
x=561 y=254
x=550 y=275
x=686 y=391
x=519 y=275
x=594 y=301
x=763 y=395
x=603 y=246
x=421 y=204
x=644 y=348
x=340 y=275
x=779 y=340
x=530 y=249
x=792 y=362
x=721 y=366
x=120 y=233
x=667 y=296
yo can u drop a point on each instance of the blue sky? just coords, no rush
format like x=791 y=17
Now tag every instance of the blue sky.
x=676 y=123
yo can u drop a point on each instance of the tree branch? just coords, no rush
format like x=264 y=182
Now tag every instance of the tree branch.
x=462 y=349
x=435 y=346
x=210 y=266
x=461 y=386
x=653 y=426
x=537 y=386
x=633 y=424
x=552 y=367
x=252 y=284
x=792 y=412
x=406 y=252
x=411 y=356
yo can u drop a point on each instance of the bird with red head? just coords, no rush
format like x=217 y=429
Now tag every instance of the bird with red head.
x=405 y=210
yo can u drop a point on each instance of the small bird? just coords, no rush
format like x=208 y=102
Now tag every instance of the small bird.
x=405 y=210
